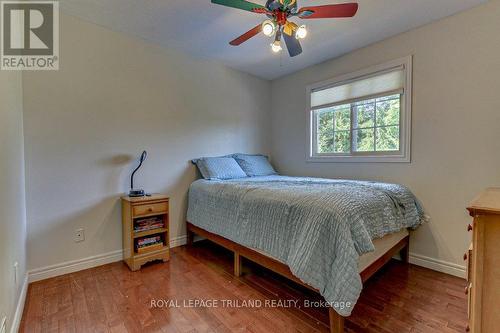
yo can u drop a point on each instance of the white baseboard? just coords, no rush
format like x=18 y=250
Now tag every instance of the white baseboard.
x=86 y=263
x=178 y=241
x=18 y=315
x=74 y=266
x=438 y=265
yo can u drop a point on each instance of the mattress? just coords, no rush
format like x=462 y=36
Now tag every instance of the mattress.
x=382 y=245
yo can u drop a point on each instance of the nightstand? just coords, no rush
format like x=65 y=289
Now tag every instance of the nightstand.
x=145 y=230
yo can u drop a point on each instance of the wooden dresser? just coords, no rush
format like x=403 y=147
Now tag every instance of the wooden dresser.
x=145 y=229
x=483 y=263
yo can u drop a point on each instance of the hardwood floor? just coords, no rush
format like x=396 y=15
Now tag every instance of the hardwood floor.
x=111 y=298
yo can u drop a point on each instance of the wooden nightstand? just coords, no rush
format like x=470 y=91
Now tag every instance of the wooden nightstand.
x=145 y=230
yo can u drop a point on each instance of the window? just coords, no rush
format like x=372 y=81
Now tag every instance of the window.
x=362 y=117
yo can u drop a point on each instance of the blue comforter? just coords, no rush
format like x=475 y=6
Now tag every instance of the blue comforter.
x=318 y=227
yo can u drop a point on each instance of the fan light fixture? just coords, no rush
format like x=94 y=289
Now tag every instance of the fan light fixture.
x=268 y=28
x=301 y=32
x=279 y=21
x=276 y=46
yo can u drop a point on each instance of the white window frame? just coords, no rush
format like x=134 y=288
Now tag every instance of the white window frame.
x=401 y=156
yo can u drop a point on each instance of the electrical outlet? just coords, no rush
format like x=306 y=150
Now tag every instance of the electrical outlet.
x=16 y=267
x=79 y=235
x=3 y=325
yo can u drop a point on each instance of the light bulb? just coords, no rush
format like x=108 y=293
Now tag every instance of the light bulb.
x=268 y=28
x=301 y=32
x=276 y=46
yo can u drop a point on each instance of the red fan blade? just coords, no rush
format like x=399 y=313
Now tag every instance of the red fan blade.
x=329 y=11
x=246 y=36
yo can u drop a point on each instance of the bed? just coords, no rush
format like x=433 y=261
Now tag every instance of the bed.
x=328 y=235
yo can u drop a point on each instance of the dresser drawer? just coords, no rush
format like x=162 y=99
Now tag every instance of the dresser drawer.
x=149 y=209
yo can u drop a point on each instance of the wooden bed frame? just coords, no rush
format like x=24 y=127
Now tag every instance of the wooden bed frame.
x=336 y=320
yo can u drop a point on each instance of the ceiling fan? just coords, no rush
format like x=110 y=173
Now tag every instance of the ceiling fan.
x=278 y=25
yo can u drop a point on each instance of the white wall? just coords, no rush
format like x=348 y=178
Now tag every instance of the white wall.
x=114 y=96
x=12 y=198
x=456 y=122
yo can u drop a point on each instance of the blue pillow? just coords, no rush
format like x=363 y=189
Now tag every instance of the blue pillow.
x=219 y=168
x=195 y=161
x=255 y=165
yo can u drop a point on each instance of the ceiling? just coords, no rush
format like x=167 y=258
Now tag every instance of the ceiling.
x=202 y=29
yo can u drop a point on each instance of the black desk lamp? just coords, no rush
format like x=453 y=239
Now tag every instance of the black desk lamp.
x=137 y=192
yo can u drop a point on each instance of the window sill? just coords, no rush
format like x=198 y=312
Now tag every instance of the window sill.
x=359 y=159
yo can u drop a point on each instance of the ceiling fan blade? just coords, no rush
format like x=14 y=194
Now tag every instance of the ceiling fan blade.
x=287 y=3
x=273 y=4
x=239 y=4
x=328 y=11
x=246 y=36
x=289 y=28
x=293 y=45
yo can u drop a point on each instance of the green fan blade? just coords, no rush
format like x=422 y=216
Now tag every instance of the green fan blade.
x=240 y=4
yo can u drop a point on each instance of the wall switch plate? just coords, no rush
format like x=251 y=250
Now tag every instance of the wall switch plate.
x=3 y=325
x=79 y=235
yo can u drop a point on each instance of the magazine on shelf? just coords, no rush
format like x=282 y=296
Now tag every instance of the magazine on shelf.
x=148 y=241
x=148 y=224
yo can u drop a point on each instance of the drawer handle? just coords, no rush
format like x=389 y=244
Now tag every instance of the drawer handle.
x=465 y=256
x=467 y=328
x=150 y=209
x=466 y=290
x=469 y=227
